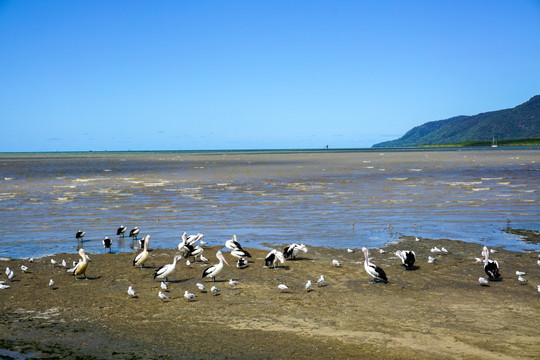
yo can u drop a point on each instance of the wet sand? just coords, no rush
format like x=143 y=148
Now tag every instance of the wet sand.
x=436 y=311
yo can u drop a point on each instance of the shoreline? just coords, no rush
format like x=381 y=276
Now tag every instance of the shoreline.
x=438 y=310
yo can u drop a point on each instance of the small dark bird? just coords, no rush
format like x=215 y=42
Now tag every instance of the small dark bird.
x=80 y=235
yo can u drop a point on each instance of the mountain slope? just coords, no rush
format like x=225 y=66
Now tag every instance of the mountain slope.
x=522 y=121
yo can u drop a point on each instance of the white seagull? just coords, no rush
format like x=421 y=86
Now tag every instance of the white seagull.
x=336 y=263
x=164 y=286
x=518 y=273
x=214 y=290
x=130 y=291
x=308 y=286
x=189 y=296
x=24 y=268
x=282 y=287
x=2 y=286
x=51 y=283
x=214 y=270
x=162 y=296
x=522 y=280
x=320 y=281
x=233 y=282
x=431 y=260
x=483 y=281
x=201 y=287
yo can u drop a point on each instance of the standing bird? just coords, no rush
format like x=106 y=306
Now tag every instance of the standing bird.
x=214 y=290
x=214 y=270
x=24 y=268
x=240 y=253
x=242 y=263
x=292 y=250
x=107 y=243
x=80 y=235
x=233 y=282
x=164 y=286
x=166 y=270
x=282 y=287
x=273 y=257
x=201 y=287
x=134 y=233
x=233 y=244
x=408 y=257
x=51 y=284
x=320 y=281
x=189 y=296
x=143 y=255
x=121 y=231
x=81 y=267
x=130 y=291
x=336 y=263
x=308 y=286
x=376 y=272
x=491 y=267
x=162 y=296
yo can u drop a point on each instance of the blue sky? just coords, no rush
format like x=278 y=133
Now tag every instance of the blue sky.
x=188 y=75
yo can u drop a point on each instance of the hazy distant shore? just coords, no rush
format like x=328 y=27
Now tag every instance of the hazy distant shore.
x=436 y=311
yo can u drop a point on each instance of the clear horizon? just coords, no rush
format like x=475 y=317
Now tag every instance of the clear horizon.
x=173 y=76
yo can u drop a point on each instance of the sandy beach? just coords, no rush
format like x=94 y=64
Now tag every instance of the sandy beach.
x=437 y=311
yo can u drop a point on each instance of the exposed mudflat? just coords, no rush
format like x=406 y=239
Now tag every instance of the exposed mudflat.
x=436 y=311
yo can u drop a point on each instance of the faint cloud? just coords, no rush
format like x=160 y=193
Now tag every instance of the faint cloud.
x=54 y=139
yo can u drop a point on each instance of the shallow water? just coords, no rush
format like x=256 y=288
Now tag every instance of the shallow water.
x=321 y=198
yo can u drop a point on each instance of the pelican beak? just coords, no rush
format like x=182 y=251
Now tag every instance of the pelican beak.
x=223 y=258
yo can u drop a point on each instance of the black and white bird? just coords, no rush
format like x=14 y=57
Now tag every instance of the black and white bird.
x=491 y=267
x=80 y=235
x=242 y=263
x=134 y=233
x=166 y=270
x=240 y=253
x=107 y=243
x=233 y=244
x=214 y=270
x=373 y=270
x=273 y=257
x=141 y=258
x=121 y=231
x=292 y=250
x=408 y=257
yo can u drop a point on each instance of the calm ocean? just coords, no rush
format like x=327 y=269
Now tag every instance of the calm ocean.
x=348 y=198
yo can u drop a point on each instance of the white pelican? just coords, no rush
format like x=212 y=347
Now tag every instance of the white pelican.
x=80 y=235
x=320 y=281
x=518 y=273
x=491 y=267
x=408 y=257
x=214 y=270
x=522 y=280
x=121 y=231
x=51 y=283
x=130 y=291
x=483 y=281
x=233 y=282
x=80 y=269
x=308 y=286
x=195 y=251
x=192 y=239
x=143 y=255
x=166 y=270
x=189 y=296
x=214 y=290
x=240 y=253
x=376 y=272
x=164 y=286
x=282 y=287
x=242 y=263
x=273 y=257
x=232 y=244
x=107 y=243
x=162 y=296
x=201 y=287
x=292 y=250
x=134 y=233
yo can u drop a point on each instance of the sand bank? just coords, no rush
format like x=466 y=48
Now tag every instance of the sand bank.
x=436 y=311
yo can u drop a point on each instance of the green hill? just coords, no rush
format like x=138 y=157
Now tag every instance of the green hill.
x=520 y=122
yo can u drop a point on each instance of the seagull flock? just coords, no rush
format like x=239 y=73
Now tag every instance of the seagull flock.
x=188 y=248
